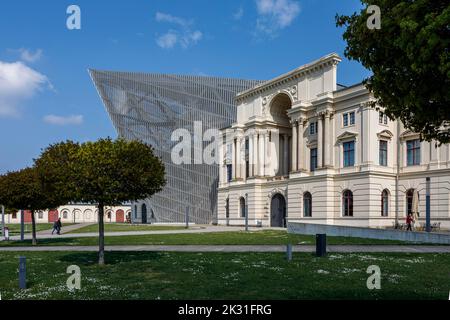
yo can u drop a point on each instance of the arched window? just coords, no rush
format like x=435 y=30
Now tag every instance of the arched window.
x=347 y=203
x=242 y=206
x=307 y=204
x=385 y=203
x=65 y=214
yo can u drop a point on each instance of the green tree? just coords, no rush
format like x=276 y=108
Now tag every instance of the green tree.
x=106 y=172
x=410 y=60
x=23 y=189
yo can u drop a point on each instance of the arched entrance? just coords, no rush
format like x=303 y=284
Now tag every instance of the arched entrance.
x=278 y=211
x=279 y=107
x=144 y=213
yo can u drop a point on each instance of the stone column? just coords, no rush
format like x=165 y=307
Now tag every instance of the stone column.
x=221 y=157
x=255 y=154
x=250 y=156
x=294 y=147
x=239 y=158
x=320 y=141
x=261 y=152
x=327 y=133
x=285 y=154
x=300 y=148
x=267 y=162
x=233 y=159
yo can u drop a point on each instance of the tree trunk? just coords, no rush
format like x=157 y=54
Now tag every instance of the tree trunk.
x=101 y=235
x=33 y=228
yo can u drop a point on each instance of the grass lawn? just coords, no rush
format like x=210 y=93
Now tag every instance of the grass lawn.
x=118 y=227
x=223 y=238
x=14 y=229
x=227 y=276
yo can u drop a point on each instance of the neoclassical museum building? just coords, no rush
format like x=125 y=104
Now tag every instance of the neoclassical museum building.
x=307 y=149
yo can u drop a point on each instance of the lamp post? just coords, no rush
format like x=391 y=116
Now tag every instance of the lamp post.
x=246 y=212
x=3 y=221
x=22 y=226
x=427 y=206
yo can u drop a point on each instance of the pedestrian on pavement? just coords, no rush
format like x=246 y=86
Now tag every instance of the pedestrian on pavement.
x=409 y=221
x=59 y=226
x=55 y=227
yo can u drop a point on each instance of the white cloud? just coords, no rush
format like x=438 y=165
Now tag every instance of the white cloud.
x=28 y=56
x=238 y=14
x=18 y=82
x=63 y=120
x=275 y=15
x=184 y=35
x=164 y=17
x=168 y=40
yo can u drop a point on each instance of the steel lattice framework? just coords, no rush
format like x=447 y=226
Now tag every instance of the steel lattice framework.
x=149 y=107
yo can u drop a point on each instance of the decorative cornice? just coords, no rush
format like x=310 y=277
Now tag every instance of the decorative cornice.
x=329 y=60
x=347 y=135
x=385 y=134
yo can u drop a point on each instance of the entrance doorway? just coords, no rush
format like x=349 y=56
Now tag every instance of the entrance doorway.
x=278 y=211
x=144 y=213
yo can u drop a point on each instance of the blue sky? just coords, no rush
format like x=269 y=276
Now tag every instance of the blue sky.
x=46 y=94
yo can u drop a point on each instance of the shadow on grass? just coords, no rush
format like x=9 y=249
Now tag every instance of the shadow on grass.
x=111 y=258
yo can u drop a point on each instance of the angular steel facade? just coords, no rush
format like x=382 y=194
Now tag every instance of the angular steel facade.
x=149 y=107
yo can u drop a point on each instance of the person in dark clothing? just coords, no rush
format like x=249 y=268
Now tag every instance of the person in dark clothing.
x=55 y=227
x=409 y=221
x=59 y=226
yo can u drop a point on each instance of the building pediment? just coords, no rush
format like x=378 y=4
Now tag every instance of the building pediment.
x=408 y=134
x=347 y=135
x=385 y=134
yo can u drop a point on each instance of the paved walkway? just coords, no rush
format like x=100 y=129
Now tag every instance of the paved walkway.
x=47 y=234
x=241 y=248
x=66 y=229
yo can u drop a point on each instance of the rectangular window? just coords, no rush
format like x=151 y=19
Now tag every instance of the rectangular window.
x=229 y=172
x=313 y=159
x=313 y=128
x=385 y=119
x=349 y=154
x=345 y=119
x=352 y=118
x=380 y=118
x=383 y=153
x=413 y=152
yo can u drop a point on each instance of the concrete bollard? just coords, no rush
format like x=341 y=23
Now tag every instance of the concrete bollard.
x=289 y=252
x=22 y=272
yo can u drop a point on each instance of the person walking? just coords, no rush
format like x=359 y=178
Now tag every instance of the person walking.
x=409 y=221
x=59 y=226
x=55 y=227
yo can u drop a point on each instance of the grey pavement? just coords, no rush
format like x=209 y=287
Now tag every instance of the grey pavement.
x=194 y=229
x=65 y=229
x=241 y=248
